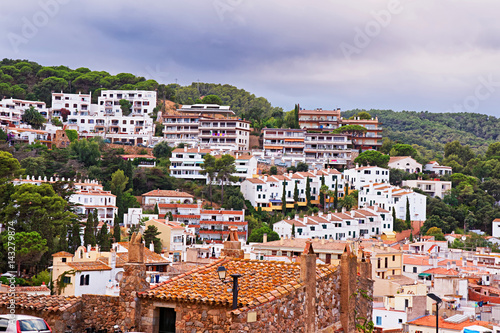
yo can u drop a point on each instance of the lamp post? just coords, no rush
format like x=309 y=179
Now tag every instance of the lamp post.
x=438 y=301
x=222 y=271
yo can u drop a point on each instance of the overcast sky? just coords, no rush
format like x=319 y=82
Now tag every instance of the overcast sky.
x=439 y=56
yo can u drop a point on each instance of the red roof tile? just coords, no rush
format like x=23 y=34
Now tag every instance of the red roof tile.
x=39 y=303
x=430 y=321
x=166 y=193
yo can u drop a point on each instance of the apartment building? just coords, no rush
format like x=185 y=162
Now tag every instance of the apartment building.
x=359 y=223
x=88 y=196
x=30 y=136
x=225 y=134
x=215 y=224
x=360 y=176
x=142 y=102
x=387 y=196
x=21 y=105
x=319 y=119
x=267 y=191
x=405 y=163
x=181 y=129
x=333 y=149
x=186 y=163
x=74 y=103
x=279 y=141
x=371 y=139
x=433 y=187
x=385 y=260
x=435 y=167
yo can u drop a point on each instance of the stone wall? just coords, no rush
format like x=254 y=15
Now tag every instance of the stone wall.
x=57 y=320
x=100 y=311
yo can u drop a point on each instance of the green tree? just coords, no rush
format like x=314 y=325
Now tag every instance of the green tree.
x=302 y=167
x=257 y=235
x=293 y=230
x=34 y=118
x=296 y=114
x=85 y=151
x=151 y=236
x=116 y=229
x=372 y=157
x=408 y=215
x=156 y=211
x=400 y=149
x=348 y=202
x=273 y=170
x=208 y=168
x=95 y=223
x=162 y=150
x=72 y=135
x=225 y=167
x=322 y=197
x=323 y=190
x=125 y=106
x=40 y=278
x=336 y=195
x=74 y=239
x=212 y=99
x=296 y=197
x=118 y=182
x=89 y=234
x=103 y=238
x=308 y=191
x=9 y=167
x=29 y=247
x=437 y=233
x=283 y=198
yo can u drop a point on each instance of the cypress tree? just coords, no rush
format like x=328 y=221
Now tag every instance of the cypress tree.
x=336 y=195
x=322 y=197
x=293 y=230
x=96 y=224
x=88 y=235
x=408 y=216
x=103 y=238
x=156 y=210
x=74 y=240
x=296 y=116
x=116 y=229
x=283 y=198
x=296 y=197
x=308 y=191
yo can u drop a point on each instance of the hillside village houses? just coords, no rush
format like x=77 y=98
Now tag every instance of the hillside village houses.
x=434 y=167
x=405 y=163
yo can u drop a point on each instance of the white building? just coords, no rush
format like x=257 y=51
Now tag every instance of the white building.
x=232 y=134
x=405 y=163
x=361 y=176
x=366 y=222
x=495 y=227
x=181 y=129
x=435 y=188
x=135 y=215
x=434 y=167
x=166 y=196
x=75 y=103
x=387 y=196
x=20 y=105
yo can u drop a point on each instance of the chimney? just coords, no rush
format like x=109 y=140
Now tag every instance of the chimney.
x=89 y=247
x=264 y=238
x=151 y=247
x=329 y=216
x=305 y=219
x=308 y=276
x=282 y=241
x=185 y=149
x=198 y=149
x=320 y=213
x=352 y=213
x=323 y=240
x=232 y=245
x=343 y=210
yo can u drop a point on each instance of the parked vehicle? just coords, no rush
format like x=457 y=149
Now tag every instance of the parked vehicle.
x=24 y=324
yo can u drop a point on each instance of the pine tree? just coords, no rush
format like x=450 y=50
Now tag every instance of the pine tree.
x=150 y=235
x=88 y=235
x=116 y=229
x=336 y=195
x=308 y=191
x=283 y=199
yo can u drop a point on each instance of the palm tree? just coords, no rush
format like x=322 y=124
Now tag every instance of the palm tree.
x=323 y=190
x=348 y=202
x=208 y=168
x=331 y=194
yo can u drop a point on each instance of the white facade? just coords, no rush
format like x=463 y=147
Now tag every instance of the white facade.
x=135 y=215
x=435 y=188
x=388 y=196
x=434 y=167
x=74 y=103
x=181 y=129
x=405 y=163
x=388 y=319
x=360 y=176
x=20 y=105
x=496 y=228
x=102 y=201
x=232 y=134
x=353 y=224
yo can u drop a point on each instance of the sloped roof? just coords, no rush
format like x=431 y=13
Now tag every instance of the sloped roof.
x=62 y=254
x=441 y=271
x=39 y=303
x=85 y=266
x=261 y=282
x=430 y=321
x=166 y=193
x=300 y=244
x=255 y=181
x=150 y=257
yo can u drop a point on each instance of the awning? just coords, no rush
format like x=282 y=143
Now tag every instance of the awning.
x=424 y=274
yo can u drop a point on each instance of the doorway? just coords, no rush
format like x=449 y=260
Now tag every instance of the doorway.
x=167 y=320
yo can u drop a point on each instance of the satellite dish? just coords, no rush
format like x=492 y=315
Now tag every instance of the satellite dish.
x=464 y=238
x=119 y=276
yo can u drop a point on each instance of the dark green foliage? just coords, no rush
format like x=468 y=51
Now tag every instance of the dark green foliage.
x=74 y=240
x=322 y=197
x=257 y=235
x=151 y=236
x=273 y=170
x=283 y=199
x=212 y=99
x=400 y=149
x=116 y=229
x=295 y=197
x=89 y=234
x=125 y=106
x=162 y=149
x=72 y=135
x=33 y=117
x=103 y=238
x=372 y=157
x=308 y=191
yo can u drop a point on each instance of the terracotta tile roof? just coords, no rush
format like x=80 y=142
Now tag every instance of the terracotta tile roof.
x=415 y=260
x=300 y=243
x=139 y=156
x=171 y=224
x=62 y=254
x=292 y=222
x=441 y=271
x=261 y=282
x=39 y=303
x=85 y=266
x=393 y=159
x=430 y=321
x=150 y=257
x=166 y=193
x=255 y=181
x=496 y=220
x=227 y=212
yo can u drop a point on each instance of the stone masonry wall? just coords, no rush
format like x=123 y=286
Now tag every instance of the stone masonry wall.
x=57 y=320
x=100 y=311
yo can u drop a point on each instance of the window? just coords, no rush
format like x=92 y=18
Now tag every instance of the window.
x=67 y=279
x=414 y=269
x=404 y=268
x=379 y=321
x=400 y=321
x=393 y=258
x=63 y=259
x=386 y=262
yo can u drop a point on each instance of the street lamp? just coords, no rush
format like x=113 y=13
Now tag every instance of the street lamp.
x=438 y=301
x=222 y=271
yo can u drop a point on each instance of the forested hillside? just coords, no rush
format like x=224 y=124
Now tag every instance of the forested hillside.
x=434 y=130
x=29 y=80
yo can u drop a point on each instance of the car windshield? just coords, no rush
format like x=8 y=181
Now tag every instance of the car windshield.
x=36 y=325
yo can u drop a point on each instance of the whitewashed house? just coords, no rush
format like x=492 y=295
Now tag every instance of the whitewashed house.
x=405 y=163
